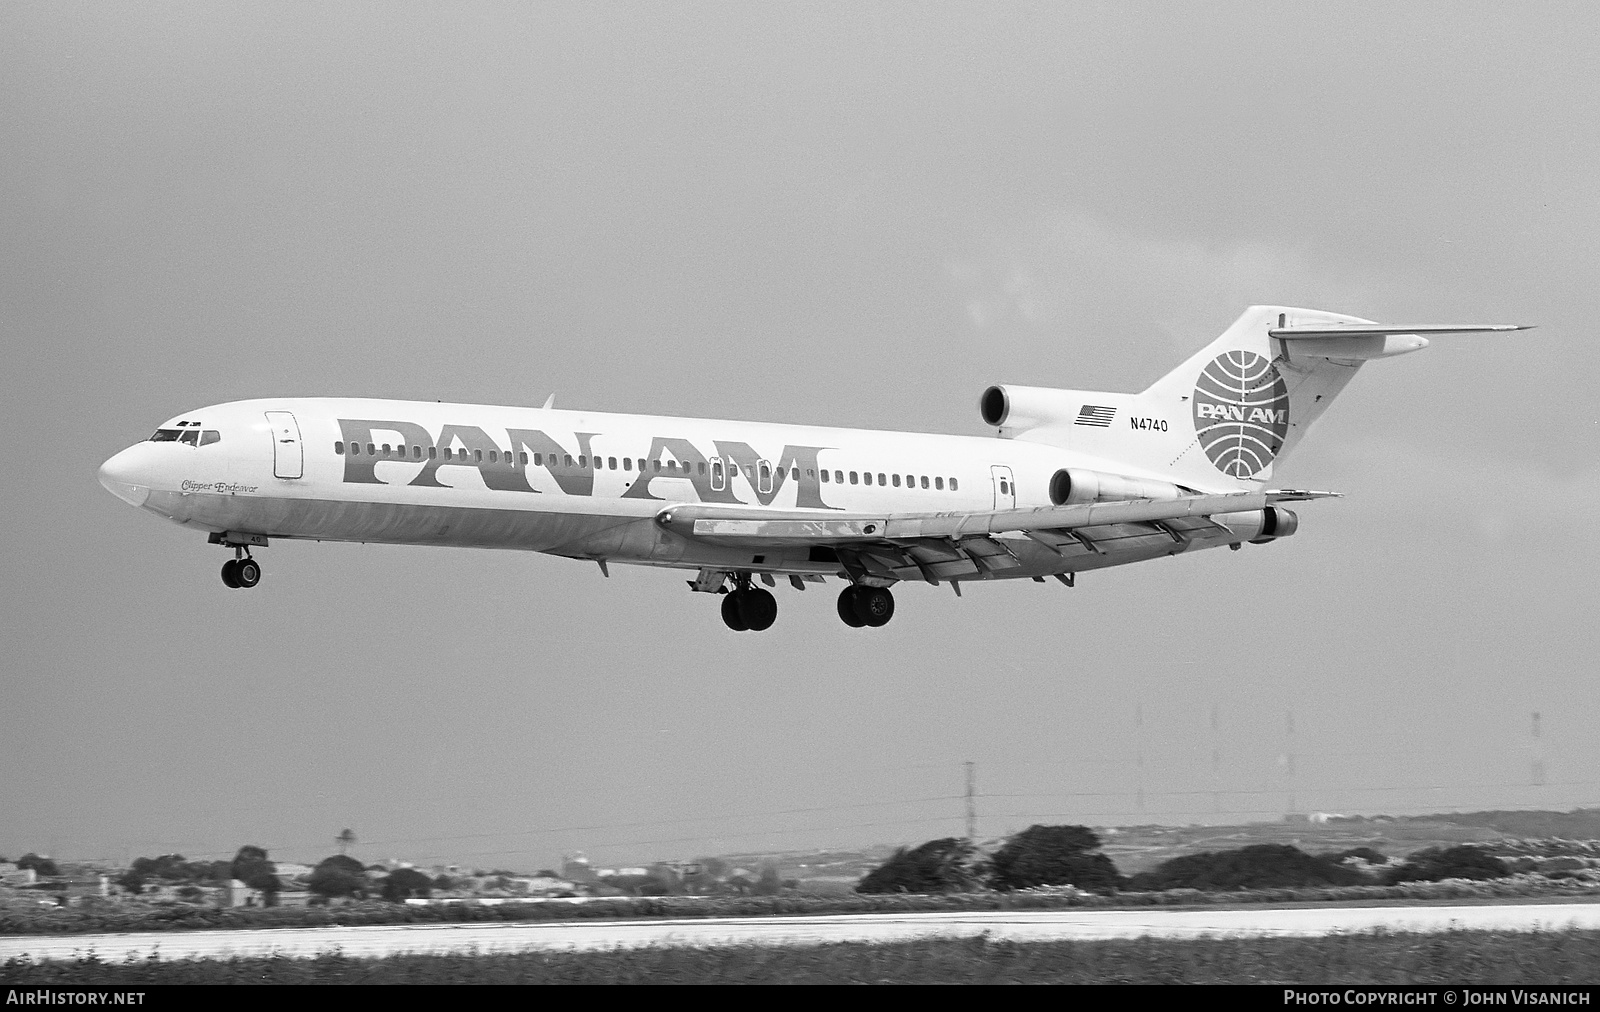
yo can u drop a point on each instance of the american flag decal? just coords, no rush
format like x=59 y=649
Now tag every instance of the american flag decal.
x=1094 y=414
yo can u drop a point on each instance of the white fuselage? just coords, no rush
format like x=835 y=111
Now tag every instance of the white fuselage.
x=579 y=484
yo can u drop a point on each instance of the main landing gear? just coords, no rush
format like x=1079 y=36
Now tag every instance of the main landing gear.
x=860 y=605
x=241 y=571
x=747 y=608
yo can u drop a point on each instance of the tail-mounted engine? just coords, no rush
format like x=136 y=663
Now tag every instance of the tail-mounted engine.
x=1018 y=409
x=1073 y=485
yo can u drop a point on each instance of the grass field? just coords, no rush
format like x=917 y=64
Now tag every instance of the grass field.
x=1567 y=957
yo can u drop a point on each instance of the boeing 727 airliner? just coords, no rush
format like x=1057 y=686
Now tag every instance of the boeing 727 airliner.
x=1077 y=480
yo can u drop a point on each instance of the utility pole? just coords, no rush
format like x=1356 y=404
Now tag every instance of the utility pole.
x=972 y=804
x=1216 y=765
x=1138 y=739
x=1537 y=772
x=1289 y=757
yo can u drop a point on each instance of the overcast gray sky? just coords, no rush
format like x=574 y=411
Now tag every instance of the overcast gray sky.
x=855 y=214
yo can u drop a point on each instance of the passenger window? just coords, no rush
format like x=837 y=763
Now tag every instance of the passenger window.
x=416 y=452
x=494 y=456
x=581 y=461
x=853 y=479
x=657 y=465
x=897 y=481
x=567 y=458
x=880 y=479
x=385 y=449
x=538 y=460
x=627 y=463
x=672 y=465
x=611 y=462
x=811 y=472
x=702 y=467
x=477 y=455
x=433 y=451
x=838 y=476
x=924 y=481
x=765 y=472
x=338 y=447
x=523 y=457
x=938 y=483
x=824 y=476
x=953 y=485
x=1005 y=489
x=372 y=451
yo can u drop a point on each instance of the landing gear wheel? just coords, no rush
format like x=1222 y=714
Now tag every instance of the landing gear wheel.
x=875 y=605
x=731 y=613
x=230 y=573
x=847 y=607
x=758 y=608
x=247 y=572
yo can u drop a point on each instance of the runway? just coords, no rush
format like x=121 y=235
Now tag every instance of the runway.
x=1022 y=926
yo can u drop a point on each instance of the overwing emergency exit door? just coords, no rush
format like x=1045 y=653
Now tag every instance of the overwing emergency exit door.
x=288 y=459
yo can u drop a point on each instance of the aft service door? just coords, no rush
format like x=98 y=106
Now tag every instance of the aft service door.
x=1005 y=487
x=287 y=458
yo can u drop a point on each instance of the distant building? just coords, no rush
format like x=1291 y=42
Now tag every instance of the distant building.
x=576 y=867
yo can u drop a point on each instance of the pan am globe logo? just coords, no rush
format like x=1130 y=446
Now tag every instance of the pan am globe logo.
x=1241 y=413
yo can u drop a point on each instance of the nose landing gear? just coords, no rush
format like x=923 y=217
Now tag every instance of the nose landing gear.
x=861 y=605
x=242 y=572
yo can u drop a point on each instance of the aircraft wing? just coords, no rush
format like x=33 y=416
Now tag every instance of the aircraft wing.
x=953 y=545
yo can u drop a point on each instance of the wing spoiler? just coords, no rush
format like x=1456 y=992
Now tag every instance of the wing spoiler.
x=815 y=526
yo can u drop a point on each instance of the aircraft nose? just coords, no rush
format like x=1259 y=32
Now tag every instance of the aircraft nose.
x=123 y=477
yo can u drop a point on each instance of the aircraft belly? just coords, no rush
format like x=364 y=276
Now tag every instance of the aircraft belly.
x=393 y=523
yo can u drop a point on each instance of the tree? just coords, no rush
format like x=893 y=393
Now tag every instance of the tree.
x=406 y=882
x=1434 y=864
x=1053 y=855
x=769 y=884
x=339 y=875
x=346 y=839
x=250 y=866
x=343 y=863
x=1262 y=866
x=42 y=866
x=938 y=866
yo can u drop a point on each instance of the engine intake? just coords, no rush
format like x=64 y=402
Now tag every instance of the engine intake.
x=1072 y=485
x=1018 y=409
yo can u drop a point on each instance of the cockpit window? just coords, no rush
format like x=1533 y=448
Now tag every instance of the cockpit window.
x=193 y=436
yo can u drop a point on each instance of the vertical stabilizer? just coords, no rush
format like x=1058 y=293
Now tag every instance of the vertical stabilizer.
x=1247 y=399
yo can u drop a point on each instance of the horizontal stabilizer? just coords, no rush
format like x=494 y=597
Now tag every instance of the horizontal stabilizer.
x=1385 y=330
x=1299 y=495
